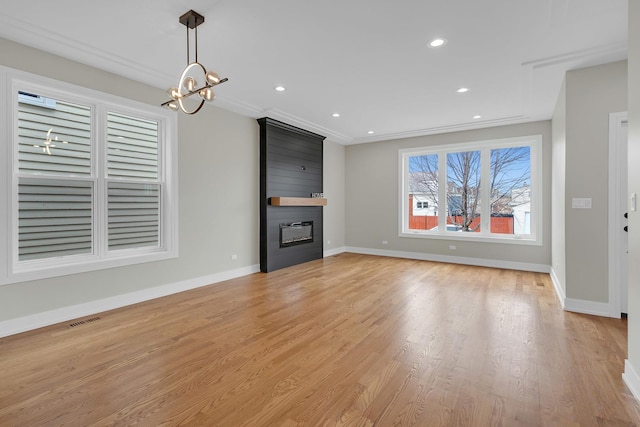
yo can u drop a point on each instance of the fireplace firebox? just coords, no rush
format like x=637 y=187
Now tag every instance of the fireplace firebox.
x=296 y=233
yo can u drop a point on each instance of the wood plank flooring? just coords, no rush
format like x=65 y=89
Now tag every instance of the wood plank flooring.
x=351 y=340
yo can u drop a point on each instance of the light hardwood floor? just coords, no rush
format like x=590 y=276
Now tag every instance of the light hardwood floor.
x=348 y=340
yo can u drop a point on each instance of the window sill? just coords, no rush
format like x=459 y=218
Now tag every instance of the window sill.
x=472 y=237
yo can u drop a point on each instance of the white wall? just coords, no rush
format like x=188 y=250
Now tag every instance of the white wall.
x=632 y=368
x=591 y=94
x=558 y=171
x=218 y=195
x=372 y=198
x=334 y=191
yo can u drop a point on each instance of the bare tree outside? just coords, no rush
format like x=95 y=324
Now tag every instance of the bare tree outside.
x=510 y=175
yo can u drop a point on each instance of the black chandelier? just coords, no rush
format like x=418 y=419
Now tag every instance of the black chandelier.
x=188 y=84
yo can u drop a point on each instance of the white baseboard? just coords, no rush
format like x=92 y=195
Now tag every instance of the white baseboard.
x=334 y=251
x=558 y=287
x=587 y=307
x=509 y=265
x=47 y=318
x=631 y=379
x=578 y=305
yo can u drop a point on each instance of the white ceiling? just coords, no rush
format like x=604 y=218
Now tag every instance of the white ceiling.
x=368 y=60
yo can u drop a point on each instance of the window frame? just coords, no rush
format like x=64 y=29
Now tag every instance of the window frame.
x=534 y=142
x=13 y=82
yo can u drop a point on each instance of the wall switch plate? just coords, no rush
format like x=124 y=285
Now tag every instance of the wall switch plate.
x=581 y=203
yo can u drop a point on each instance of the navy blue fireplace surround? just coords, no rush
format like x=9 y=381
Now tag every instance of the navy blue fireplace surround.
x=290 y=166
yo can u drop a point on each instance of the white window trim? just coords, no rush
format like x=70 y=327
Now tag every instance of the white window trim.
x=535 y=238
x=14 y=271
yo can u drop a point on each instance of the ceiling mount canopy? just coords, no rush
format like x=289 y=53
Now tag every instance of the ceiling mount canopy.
x=189 y=85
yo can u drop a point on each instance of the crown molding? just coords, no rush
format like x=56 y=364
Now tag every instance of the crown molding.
x=449 y=128
x=589 y=56
x=48 y=40
x=307 y=125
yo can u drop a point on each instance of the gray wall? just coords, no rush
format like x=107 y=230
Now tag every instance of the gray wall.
x=558 y=171
x=591 y=94
x=372 y=198
x=634 y=187
x=218 y=196
x=334 y=191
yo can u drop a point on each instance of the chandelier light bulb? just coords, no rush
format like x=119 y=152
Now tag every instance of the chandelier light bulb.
x=173 y=106
x=190 y=84
x=213 y=78
x=173 y=93
x=207 y=94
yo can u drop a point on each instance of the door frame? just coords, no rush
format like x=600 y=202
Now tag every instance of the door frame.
x=616 y=121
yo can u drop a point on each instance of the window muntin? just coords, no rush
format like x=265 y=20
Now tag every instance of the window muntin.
x=93 y=177
x=506 y=173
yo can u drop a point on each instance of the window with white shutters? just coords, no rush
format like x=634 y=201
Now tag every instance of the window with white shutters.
x=92 y=179
x=54 y=214
x=133 y=188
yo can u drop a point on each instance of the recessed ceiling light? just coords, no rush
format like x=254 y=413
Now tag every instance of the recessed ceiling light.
x=439 y=42
x=370 y=132
x=280 y=88
x=336 y=114
x=463 y=90
x=477 y=116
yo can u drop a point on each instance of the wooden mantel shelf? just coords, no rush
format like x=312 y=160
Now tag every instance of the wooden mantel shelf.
x=297 y=201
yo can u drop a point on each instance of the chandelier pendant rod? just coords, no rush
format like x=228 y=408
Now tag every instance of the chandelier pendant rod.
x=187 y=83
x=188 y=47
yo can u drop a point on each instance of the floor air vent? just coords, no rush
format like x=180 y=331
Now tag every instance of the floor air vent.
x=83 y=322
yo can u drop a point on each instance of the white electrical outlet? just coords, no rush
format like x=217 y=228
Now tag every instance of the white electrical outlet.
x=452 y=247
x=328 y=242
x=384 y=242
x=234 y=257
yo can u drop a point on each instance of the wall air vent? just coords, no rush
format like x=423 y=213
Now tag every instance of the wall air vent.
x=83 y=322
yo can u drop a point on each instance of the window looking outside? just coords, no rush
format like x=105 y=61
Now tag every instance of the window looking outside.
x=487 y=190
x=92 y=181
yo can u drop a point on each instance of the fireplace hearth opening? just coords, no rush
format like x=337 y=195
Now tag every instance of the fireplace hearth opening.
x=296 y=233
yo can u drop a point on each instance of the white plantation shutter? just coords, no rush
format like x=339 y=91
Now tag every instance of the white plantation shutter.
x=54 y=215
x=132 y=147
x=134 y=215
x=134 y=199
x=63 y=131
x=54 y=218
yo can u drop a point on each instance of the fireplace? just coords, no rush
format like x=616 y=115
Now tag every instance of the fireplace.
x=296 y=233
x=290 y=172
